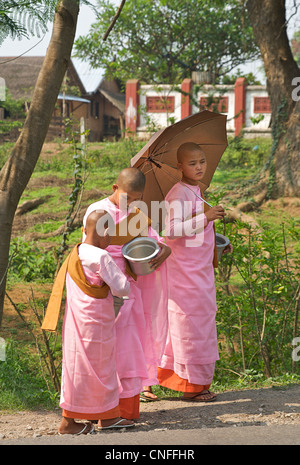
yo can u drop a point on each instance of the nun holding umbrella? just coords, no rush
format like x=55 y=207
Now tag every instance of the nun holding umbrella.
x=179 y=162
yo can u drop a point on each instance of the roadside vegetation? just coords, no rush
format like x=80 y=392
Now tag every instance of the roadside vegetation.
x=257 y=287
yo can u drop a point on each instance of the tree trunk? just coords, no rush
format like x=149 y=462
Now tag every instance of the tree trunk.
x=18 y=169
x=287 y=157
x=269 y=26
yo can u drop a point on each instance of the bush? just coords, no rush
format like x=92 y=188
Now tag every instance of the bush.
x=258 y=300
x=30 y=263
x=243 y=152
x=22 y=384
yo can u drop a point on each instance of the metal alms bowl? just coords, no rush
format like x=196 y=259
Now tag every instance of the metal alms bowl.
x=139 y=252
x=222 y=242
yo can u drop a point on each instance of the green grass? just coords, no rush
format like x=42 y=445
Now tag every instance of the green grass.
x=46 y=226
x=22 y=386
x=224 y=178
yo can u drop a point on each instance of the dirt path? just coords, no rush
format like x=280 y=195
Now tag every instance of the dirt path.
x=263 y=408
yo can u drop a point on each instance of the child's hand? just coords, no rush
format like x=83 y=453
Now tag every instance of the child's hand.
x=161 y=257
x=215 y=213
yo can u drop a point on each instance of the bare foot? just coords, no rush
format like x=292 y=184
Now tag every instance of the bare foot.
x=147 y=394
x=70 y=426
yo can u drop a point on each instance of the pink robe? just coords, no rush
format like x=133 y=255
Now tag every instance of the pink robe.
x=141 y=325
x=90 y=383
x=192 y=348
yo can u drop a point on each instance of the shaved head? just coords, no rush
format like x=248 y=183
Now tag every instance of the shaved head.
x=98 y=221
x=131 y=180
x=94 y=217
x=187 y=150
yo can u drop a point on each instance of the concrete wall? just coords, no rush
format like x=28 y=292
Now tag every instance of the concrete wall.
x=149 y=107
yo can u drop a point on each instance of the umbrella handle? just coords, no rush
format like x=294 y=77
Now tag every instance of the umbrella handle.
x=199 y=196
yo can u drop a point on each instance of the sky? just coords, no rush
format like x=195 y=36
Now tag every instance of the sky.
x=16 y=47
x=34 y=46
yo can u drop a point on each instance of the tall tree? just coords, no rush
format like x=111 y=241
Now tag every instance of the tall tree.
x=17 y=170
x=163 y=41
x=268 y=19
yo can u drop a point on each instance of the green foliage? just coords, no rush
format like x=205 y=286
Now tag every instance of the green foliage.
x=109 y=160
x=22 y=18
x=25 y=18
x=5 y=151
x=278 y=129
x=257 y=289
x=22 y=386
x=248 y=153
x=296 y=46
x=30 y=262
x=7 y=126
x=14 y=107
x=116 y=158
x=163 y=41
x=81 y=163
x=250 y=78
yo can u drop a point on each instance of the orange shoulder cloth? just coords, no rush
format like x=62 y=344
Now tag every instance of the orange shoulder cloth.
x=125 y=232
x=73 y=266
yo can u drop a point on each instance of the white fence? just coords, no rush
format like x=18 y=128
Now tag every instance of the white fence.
x=153 y=107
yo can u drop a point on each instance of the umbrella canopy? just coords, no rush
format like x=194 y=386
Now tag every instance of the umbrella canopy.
x=158 y=158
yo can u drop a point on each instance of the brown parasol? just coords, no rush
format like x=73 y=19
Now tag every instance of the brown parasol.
x=158 y=158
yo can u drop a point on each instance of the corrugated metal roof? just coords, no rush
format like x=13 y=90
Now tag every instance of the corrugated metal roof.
x=73 y=97
x=90 y=78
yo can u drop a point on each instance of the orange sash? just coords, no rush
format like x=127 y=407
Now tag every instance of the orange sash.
x=124 y=235
x=73 y=266
x=124 y=231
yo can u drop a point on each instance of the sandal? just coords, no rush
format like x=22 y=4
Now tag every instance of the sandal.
x=145 y=398
x=197 y=397
x=82 y=431
x=115 y=425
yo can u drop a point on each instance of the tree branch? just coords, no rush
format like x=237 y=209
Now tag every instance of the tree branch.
x=114 y=20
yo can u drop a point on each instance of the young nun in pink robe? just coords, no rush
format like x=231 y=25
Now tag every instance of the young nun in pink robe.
x=141 y=326
x=191 y=350
x=90 y=386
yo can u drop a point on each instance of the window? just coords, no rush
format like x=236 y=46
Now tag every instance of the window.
x=160 y=104
x=262 y=105
x=218 y=104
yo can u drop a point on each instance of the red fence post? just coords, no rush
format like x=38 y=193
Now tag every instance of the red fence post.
x=240 y=88
x=186 y=104
x=132 y=119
